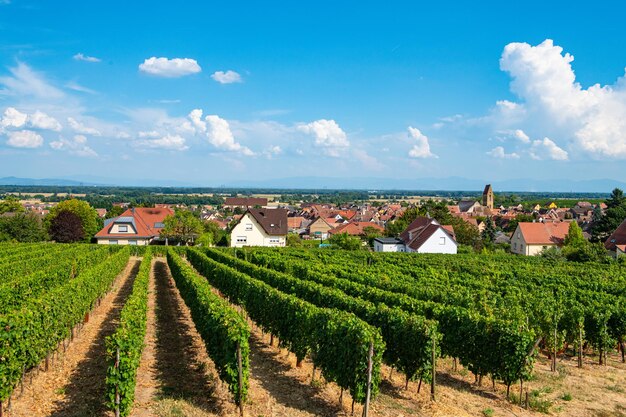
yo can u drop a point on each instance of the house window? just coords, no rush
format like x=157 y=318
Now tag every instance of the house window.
x=274 y=240
x=442 y=240
x=242 y=239
x=248 y=227
x=514 y=245
x=122 y=228
x=132 y=242
x=112 y=242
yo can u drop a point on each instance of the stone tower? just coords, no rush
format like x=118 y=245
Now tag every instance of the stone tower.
x=488 y=197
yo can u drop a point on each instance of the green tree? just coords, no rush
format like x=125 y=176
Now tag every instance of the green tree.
x=614 y=215
x=345 y=241
x=370 y=233
x=22 y=227
x=11 y=204
x=574 y=238
x=87 y=214
x=114 y=212
x=183 y=226
x=488 y=235
x=294 y=240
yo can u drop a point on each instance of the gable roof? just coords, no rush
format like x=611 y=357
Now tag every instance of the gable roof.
x=465 y=205
x=550 y=233
x=146 y=221
x=273 y=221
x=618 y=237
x=418 y=223
x=421 y=229
x=354 y=228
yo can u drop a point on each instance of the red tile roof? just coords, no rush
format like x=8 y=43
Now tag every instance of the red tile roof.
x=295 y=222
x=549 y=233
x=354 y=228
x=146 y=220
x=618 y=237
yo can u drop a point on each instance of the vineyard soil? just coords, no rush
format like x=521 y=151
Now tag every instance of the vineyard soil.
x=74 y=384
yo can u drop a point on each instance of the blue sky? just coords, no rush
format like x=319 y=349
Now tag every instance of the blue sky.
x=215 y=92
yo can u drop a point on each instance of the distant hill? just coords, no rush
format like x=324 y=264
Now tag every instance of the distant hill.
x=41 y=181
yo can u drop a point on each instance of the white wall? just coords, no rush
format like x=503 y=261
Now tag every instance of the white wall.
x=256 y=236
x=107 y=241
x=116 y=228
x=379 y=247
x=438 y=242
x=519 y=246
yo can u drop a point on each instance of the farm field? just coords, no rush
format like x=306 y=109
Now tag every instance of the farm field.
x=86 y=329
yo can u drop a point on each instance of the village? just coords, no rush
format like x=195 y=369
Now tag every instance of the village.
x=426 y=225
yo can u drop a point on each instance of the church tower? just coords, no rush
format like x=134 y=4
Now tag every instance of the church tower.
x=488 y=197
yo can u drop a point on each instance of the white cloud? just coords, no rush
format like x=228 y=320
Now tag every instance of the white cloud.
x=520 y=135
x=367 y=160
x=25 y=82
x=80 y=57
x=78 y=127
x=13 y=118
x=72 y=85
x=168 y=142
x=547 y=149
x=498 y=152
x=227 y=77
x=272 y=151
x=76 y=146
x=217 y=131
x=24 y=139
x=328 y=135
x=421 y=149
x=170 y=68
x=593 y=119
x=220 y=136
x=40 y=120
x=149 y=134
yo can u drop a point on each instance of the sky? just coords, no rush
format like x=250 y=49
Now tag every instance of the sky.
x=214 y=92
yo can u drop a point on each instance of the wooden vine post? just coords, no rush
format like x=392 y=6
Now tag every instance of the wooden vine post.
x=434 y=363
x=368 y=394
x=117 y=389
x=580 y=346
x=240 y=370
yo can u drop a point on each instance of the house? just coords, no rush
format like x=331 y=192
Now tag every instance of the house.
x=260 y=227
x=101 y=212
x=423 y=235
x=355 y=228
x=531 y=238
x=136 y=226
x=617 y=239
x=468 y=206
x=319 y=228
x=388 y=244
x=620 y=250
x=426 y=235
x=244 y=202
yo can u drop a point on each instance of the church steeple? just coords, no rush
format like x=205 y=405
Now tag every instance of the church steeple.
x=488 y=197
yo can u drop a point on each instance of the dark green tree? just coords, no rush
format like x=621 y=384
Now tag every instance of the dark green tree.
x=488 y=235
x=66 y=227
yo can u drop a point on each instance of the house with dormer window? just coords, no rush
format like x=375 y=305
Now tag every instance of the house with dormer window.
x=260 y=227
x=136 y=226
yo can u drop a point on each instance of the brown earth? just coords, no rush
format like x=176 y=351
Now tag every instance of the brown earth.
x=74 y=383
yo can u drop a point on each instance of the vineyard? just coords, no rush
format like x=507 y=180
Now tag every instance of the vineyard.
x=108 y=330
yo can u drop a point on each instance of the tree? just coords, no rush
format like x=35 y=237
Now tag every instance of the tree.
x=574 y=238
x=214 y=230
x=345 y=241
x=183 y=226
x=66 y=227
x=22 y=227
x=488 y=235
x=613 y=216
x=370 y=233
x=114 y=212
x=87 y=215
x=616 y=199
x=11 y=204
x=294 y=240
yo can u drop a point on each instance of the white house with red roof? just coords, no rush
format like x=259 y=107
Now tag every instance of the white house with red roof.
x=136 y=226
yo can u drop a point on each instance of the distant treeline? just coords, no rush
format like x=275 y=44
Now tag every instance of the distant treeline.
x=104 y=196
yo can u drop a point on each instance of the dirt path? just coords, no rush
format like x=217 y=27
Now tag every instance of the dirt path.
x=74 y=385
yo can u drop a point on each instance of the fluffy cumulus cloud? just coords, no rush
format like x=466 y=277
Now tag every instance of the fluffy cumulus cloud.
x=227 y=77
x=13 y=118
x=272 y=151
x=79 y=127
x=593 y=119
x=24 y=139
x=170 y=68
x=499 y=153
x=217 y=131
x=328 y=136
x=421 y=147
x=81 y=57
x=547 y=149
x=167 y=142
x=76 y=146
